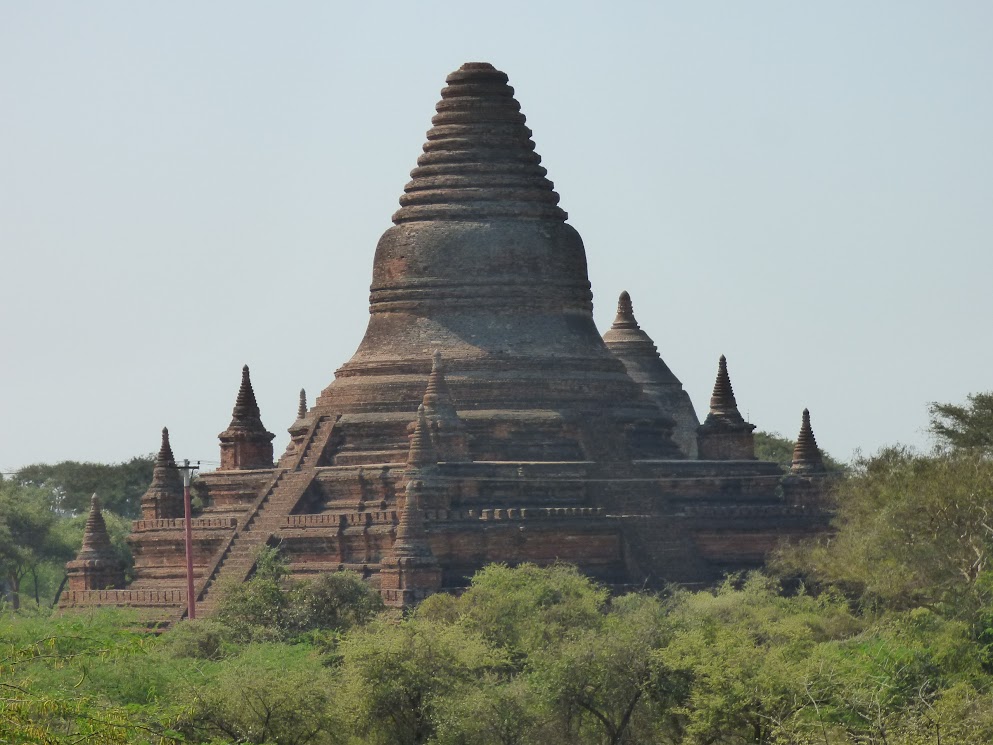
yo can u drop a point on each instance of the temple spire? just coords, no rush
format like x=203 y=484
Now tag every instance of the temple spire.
x=722 y=402
x=96 y=566
x=625 y=313
x=806 y=455
x=165 y=456
x=410 y=572
x=479 y=161
x=246 y=412
x=163 y=499
x=96 y=539
x=724 y=434
x=437 y=399
x=422 y=452
x=302 y=407
x=627 y=341
x=246 y=444
x=410 y=539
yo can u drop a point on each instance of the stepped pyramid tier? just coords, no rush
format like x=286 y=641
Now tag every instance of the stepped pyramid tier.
x=246 y=444
x=632 y=346
x=164 y=497
x=482 y=418
x=96 y=566
x=806 y=455
x=724 y=434
x=481 y=265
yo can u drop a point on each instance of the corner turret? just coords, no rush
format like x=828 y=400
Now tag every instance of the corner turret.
x=164 y=498
x=807 y=457
x=631 y=345
x=245 y=444
x=445 y=429
x=95 y=567
x=410 y=572
x=724 y=434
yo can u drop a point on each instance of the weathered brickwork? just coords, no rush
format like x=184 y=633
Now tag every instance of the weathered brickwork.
x=483 y=417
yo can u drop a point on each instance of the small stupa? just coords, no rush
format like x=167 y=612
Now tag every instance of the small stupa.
x=96 y=566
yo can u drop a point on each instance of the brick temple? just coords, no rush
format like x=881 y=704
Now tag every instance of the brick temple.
x=482 y=419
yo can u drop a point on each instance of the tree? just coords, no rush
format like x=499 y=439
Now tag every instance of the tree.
x=70 y=484
x=964 y=426
x=910 y=530
x=526 y=608
x=270 y=693
x=272 y=607
x=397 y=678
x=28 y=537
x=80 y=677
x=607 y=684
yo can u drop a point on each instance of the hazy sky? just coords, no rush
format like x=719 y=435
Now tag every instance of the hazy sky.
x=188 y=187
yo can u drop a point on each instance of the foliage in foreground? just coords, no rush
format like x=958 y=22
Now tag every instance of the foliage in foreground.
x=525 y=655
x=889 y=642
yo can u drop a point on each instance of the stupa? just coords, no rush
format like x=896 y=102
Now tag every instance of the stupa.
x=483 y=418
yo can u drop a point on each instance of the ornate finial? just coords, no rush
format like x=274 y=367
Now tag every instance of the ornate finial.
x=96 y=567
x=625 y=313
x=724 y=434
x=246 y=444
x=165 y=456
x=806 y=455
x=421 y=448
x=722 y=401
x=479 y=160
x=246 y=409
x=302 y=408
x=437 y=398
x=410 y=540
x=96 y=540
x=164 y=497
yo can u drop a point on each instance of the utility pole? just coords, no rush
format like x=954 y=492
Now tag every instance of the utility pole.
x=191 y=600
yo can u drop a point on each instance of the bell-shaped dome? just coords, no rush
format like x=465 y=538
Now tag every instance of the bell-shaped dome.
x=482 y=266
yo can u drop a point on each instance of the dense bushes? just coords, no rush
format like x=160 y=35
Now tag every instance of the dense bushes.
x=525 y=655
x=888 y=639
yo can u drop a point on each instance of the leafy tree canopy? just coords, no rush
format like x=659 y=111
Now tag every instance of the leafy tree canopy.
x=273 y=607
x=29 y=537
x=968 y=425
x=70 y=484
x=910 y=530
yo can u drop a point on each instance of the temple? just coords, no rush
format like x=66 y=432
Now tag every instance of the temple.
x=483 y=417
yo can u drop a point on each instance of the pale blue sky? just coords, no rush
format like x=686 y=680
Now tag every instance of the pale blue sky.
x=187 y=187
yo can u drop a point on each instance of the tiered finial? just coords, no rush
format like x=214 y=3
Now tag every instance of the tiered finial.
x=437 y=398
x=410 y=540
x=806 y=455
x=246 y=444
x=96 y=540
x=302 y=407
x=625 y=313
x=165 y=456
x=479 y=160
x=164 y=496
x=95 y=567
x=246 y=408
x=724 y=434
x=422 y=452
x=722 y=403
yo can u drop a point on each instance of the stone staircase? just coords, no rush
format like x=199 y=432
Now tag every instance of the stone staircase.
x=316 y=443
x=235 y=561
